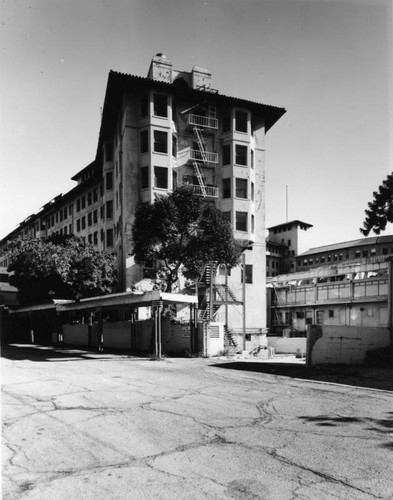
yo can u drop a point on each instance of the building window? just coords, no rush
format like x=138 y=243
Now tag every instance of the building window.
x=95 y=195
x=109 y=180
x=144 y=141
x=226 y=154
x=89 y=198
x=160 y=105
x=65 y=213
x=240 y=155
x=241 y=121
x=226 y=121
x=83 y=222
x=95 y=238
x=322 y=259
x=252 y=159
x=78 y=225
x=241 y=221
x=109 y=237
x=252 y=191
x=89 y=219
x=102 y=211
x=373 y=252
x=331 y=313
x=109 y=209
x=226 y=188
x=161 y=177
x=248 y=272
x=144 y=106
x=174 y=146
x=289 y=243
x=320 y=317
x=227 y=216
x=252 y=223
x=160 y=142
x=241 y=188
x=90 y=238
x=144 y=177
x=95 y=216
x=365 y=253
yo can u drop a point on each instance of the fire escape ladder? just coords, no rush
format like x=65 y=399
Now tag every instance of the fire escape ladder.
x=200 y=178
x=201 y=143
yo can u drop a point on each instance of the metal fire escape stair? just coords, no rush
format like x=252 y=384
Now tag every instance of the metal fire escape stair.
x=203 y=151
x=200 y=178
x=230 y=344
x=201 y=143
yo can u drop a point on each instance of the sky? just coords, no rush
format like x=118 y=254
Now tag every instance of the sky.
x=327 y=62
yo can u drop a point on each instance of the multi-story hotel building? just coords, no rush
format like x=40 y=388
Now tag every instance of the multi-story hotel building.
x=169 y=129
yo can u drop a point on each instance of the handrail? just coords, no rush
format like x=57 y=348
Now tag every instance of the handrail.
x=203 y=121
x=195 y=154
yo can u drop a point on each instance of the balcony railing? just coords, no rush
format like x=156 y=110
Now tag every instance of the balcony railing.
x=206 y=156
x=208 y=191
x=203 y=121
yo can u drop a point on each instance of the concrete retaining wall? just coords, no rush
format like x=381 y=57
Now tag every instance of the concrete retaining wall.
x=343 y=344
x=291 y=345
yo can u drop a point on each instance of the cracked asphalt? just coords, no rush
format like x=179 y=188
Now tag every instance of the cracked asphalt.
x=82 y=425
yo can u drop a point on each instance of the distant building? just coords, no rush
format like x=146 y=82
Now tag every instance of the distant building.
x=343 y=284
x=170 y=129
x=283 y=243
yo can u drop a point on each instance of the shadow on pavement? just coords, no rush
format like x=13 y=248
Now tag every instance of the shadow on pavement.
x=61 y=353
x=382 y=426
x=369 y=377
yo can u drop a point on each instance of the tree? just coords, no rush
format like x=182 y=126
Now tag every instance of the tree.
x=59 y=266
x=181 y=233
x=380 y=209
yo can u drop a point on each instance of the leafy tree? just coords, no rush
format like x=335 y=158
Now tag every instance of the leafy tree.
x=380 y=209
x=59 y=266
x=182 y=233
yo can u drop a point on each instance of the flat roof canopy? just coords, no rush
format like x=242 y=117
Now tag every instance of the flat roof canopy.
x=118 y=299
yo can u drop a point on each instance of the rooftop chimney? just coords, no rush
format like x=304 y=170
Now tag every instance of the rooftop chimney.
x=160 y=68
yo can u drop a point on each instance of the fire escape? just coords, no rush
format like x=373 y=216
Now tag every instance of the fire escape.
x=201 y=158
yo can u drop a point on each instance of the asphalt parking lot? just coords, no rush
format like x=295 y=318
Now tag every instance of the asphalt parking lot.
x=85 y=425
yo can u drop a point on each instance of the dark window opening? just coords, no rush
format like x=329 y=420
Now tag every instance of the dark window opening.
x=144 y=142
x=160 y=105
x=160 y=142
x=226 y=188
x=241 y=155
x=241 y=121
x=241 y=188
x=161 y=177
x=241 y=221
